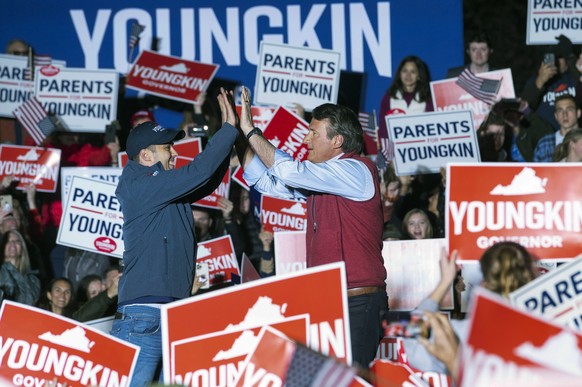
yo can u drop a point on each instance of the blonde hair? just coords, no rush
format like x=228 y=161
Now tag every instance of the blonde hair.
x=429 y=231
x=24 y=260
x=507 y=266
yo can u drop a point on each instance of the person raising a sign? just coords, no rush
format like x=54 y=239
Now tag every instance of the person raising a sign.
x=344 y=221
x=158 y=229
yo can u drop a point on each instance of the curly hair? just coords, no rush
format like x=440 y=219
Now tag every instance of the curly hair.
x=507 y=266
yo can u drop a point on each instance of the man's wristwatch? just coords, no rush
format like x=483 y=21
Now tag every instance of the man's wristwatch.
x=253 y=132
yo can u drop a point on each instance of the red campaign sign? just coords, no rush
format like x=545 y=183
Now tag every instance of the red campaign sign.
x=388 y=373
x=248 y=271
x=37 y=345
x=170 y=76
x=286 y=131
x=211 y=201
x=187 y=149
x=221 y=259
x=261 y=115
x=522 y=350
x=253 y=305
x=282 y=214
x=31 y=165
x=238 y=177
x=392 y=349
x=448 y=96
x=226 y=365
x=536 y=205
x=267 y=364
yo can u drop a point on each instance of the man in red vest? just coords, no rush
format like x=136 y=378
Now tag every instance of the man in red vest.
x=344 y=220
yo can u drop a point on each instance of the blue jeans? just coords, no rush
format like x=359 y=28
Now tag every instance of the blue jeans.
x=366 y=315
x=140 y=325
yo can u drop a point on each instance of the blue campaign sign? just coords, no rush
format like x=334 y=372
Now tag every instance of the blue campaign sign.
x=372 y=36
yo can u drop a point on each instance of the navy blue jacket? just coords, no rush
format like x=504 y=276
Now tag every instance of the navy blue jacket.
x=158 y=228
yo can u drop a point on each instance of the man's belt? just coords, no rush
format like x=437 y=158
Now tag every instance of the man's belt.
x=365 y=290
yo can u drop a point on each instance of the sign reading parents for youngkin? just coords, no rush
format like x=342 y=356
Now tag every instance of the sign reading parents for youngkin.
x=86 y=100
x=547 y=19
x=288 y=75
x=92 y=218
x=424 y=143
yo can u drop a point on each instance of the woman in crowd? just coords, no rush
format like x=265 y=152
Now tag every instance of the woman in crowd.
x=17 y=281
x=506 y=266
x=416 y=225
x=58 y=298
x=409 y=92
x=570 y=150
x=89 y=287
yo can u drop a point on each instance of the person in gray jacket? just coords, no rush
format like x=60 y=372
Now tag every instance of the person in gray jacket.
x=158 y=230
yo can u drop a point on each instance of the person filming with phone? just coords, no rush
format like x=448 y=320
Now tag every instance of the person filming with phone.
x=557 y=75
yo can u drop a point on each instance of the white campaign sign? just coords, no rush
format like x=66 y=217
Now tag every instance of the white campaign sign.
x=107 y=174
x=14 y=90
x=288 y=75
x=85 y=100
x=556 y=295
x=548 y=19
x=92 y=218
x=424 y=143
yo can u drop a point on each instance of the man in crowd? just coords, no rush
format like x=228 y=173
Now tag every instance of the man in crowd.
x=158 y=229
x=479 y=50
x=344 y=221
x=567 y=114
x=553 y=79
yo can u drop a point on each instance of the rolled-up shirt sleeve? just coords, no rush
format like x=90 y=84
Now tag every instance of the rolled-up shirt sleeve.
x=288 y=178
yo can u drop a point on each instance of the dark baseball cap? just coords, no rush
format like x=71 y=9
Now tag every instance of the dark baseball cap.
x=150 y=133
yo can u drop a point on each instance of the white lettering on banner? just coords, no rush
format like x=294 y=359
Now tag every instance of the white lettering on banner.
x=94 y=226
x=260 y=377
x=476 y=107
x=485 y=369
x=290 y=267
x=298 y=31
x=295 y=139
x=322 y=338
x=433 y=379
x=282 y=220
x=424 y=152
x=32 y=357
x=562 y=292
x=227 y=261
x=223 y=375
x=391 y=351
x=530 y=242
x=221 y=190
x=30 y=169
x=479 y=216
x=550 y=96
x=168 y=77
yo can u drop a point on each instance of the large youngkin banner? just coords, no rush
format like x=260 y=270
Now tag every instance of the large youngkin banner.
x=372 y=36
